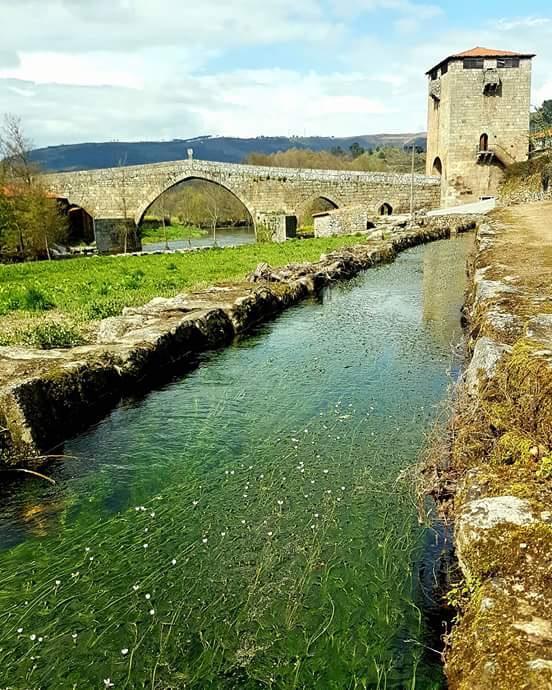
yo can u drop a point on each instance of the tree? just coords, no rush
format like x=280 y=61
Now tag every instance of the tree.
x=213 y=210
x=541 y=118
x=30 y=219
x=122 y=192
x=356 y=150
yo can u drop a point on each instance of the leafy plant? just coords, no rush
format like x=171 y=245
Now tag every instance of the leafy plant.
x=49 y=335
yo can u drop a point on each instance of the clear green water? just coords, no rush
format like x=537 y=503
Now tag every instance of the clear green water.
x=244 y=526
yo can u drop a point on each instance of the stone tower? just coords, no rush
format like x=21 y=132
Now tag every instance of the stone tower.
x=478 y=121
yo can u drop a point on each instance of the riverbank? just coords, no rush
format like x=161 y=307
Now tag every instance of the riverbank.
x=499 y=481
x=45 y=396
x=52 y=304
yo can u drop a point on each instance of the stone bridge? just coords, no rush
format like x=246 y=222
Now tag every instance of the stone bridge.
x=118 y=198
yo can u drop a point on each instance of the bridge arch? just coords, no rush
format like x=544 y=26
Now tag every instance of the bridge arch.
x=173 y=182
x=318 y=203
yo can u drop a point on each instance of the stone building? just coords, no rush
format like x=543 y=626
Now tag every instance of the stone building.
x=478 y=121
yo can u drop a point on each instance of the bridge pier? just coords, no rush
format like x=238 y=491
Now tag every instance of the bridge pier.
x=275 y=227
x=111 y=233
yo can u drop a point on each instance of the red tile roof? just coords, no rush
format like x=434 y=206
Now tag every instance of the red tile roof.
x=478 y=51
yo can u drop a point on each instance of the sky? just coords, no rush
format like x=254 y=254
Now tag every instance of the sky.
x=104 y=70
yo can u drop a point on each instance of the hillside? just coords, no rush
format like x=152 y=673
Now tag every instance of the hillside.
x=225 y=149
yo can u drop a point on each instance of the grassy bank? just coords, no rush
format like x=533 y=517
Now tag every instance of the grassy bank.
x=50 y=304
x=171 y=233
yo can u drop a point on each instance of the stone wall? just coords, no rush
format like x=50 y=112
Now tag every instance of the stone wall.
x=342 y=221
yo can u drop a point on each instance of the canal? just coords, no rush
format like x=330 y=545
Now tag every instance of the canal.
x=246 y=526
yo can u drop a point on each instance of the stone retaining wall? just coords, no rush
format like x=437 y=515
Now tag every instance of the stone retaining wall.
x=499 y=476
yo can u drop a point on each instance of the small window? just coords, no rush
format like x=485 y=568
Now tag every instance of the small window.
x=508 y=63
x=473 y=63
x=385 y=209
x=484 y=142
x=444 y=68
x=433 y=75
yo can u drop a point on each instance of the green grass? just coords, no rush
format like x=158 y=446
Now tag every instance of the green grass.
x=173 y=232
x=78 y=291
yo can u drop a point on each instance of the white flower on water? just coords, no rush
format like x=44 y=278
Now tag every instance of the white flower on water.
x=152 y=515
x=146 y=546
x=295 y=440
x=135 y=587
x=173 y=561
x=194 y=503
x=75 y=574
x=146 y=529
x=226 y=472
x=312 y=526
x=312 y=481
x=20 y=630
x=243 y=522
x=269 y=534
x=231 y=471
x=58 y=582
x=32 y=637
x=326 y=471
x=152 y=612
x=87 y=549
x=329 y=491
x=316 y=515
x=245 y=495
x=280 y=503
x=124 y=651
x=40 y=639
x=74 y=636
x=108 y=683
x=148 y=596
x=305 y=495
x=223 y=534
x=91 y=558
x=339 y=498
x=204 y=540
x=342 y=488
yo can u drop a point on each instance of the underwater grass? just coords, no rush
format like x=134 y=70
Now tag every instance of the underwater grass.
x=265 y=577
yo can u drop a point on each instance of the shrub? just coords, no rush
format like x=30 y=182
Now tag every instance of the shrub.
x=35 y=300
x=49 y=335
x=102 y=309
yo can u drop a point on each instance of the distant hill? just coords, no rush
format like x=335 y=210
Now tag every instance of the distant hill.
x=224 y=149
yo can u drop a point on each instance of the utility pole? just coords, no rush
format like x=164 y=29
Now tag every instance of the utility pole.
x=412 y=185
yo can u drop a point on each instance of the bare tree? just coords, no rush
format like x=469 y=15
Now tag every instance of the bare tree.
x=122 y=191
x=161 y=202
x=15 y=150
x=212 y=207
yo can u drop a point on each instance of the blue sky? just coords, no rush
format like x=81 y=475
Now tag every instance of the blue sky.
x=83 y=70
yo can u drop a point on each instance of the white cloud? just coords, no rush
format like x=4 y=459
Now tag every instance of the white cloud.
x=136 y=69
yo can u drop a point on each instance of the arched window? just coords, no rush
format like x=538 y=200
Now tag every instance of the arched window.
x=484 y=142
x=385 y=209
x=437 y=167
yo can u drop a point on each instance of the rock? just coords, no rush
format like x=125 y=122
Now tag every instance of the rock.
x=481 y=515
x=540 y=328
x=492 y=289
x=487 y=354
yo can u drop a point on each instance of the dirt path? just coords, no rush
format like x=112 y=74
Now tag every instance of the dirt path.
x=527 y=247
